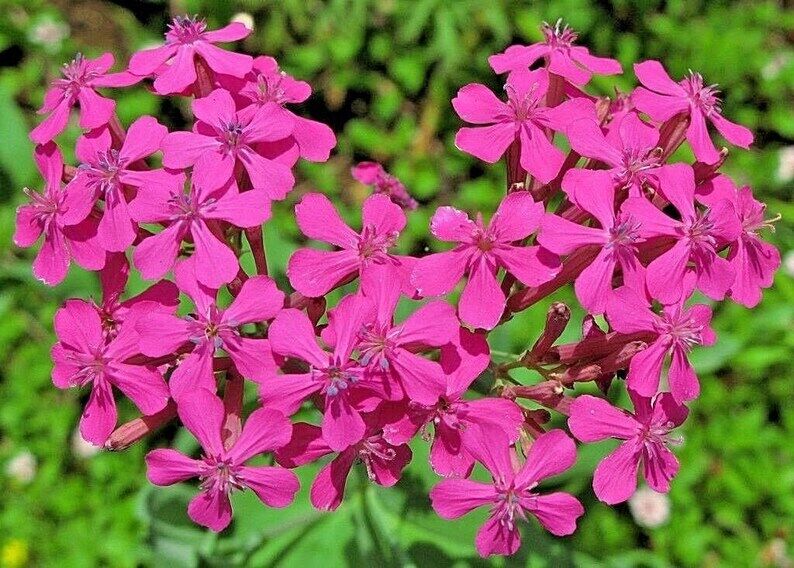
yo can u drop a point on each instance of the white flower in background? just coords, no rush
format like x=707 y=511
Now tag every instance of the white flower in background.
x=772 y=69
x=649 y=508
x=49 y=33
x=788 y=263
x=244 y=18
x=22 y=467
x=785 y=168
x=81 y=448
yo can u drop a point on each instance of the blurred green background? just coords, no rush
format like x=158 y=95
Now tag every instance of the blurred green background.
x=384 y=72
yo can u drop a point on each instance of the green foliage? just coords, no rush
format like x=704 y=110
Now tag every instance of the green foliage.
x=384 y=73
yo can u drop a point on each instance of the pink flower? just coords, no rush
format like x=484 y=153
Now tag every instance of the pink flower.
x=523 y=117
x=697 y=237
x=211 y=327
x=383 y=461
x=314 y=272
x=617 y=238
x=454 y=417
x=84 y=356
x=674 y=332
x=187 y=37
x=753 y=260
x=223 y=137
x=480 y=253
x=512 y=494
x=663 y=99
x=62 y=217
x=372 y=173
x=105 y=172
x=267 y=85
x=646 y=435
x=629 y=149
x=564 y=59
x=221 y=469
x=80 y=80
x=393 y=349
x=347 y=387
x=194 y=214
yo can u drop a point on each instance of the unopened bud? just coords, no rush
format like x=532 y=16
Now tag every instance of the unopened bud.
x=130 y=432
x=557 y=319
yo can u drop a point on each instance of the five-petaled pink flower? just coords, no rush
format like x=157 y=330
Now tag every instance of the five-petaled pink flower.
x=194 y=215
x=84 y=355
x=480 y=253
x=222 y=468
x=211 y=327
x=187 y=37
x=617 y=238
x=674 y=331
x=383 y=461
x=372 y=173
x=223 y=137
x=646 y=435
x=662 y=98
x=80 y=80
x=513 y=493
x=697 y=237
x=573 y=62
x=314 y=272
x=523 y=118
x=62 y=217
x=106 y=172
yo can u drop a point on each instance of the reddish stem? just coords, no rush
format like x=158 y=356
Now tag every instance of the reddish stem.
x=127 y=434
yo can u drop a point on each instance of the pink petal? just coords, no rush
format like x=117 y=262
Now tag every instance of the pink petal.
x=182 y=149
x=698 y=137
x=587 y=139
x=274 y=486
x=167 y=466
x=629 y=312
x=447 y=456
x=678 y=185
x=637 y=134
x=659 y=466
x=517 y=217
x=83 y=245
x=550 y=454
x=143 y=138
x=99 y=415
x=482 y=301
x=155 y=255
x=328 y=488
x=684 y=383
x=557 y=512
x=754 y=263
x=452 y=225
x=52 y=261
x=734 y=133
x=54 y=124
x=387 y=472
x=538 y=155
x=292 y=334
x=561 y=64
x=477 y=104
x=593 y=419
x=49 y=162
x=653 y=75
x=202 y=413
x=563 y=237
x=500 y=413
x=117 y=231
x=517 y=57
x=434 y=324
x=665 y=276
x=264 y=430
x=660 y=108
x=179 y=75
x=487 y=143
x=231 y=32
x=594 y=192
x=593 y=286
x=28 y=229
x=645 y=368
x=216 y=264
x=715 y=275
x=382 y=214
x=615 y=478
x=270 y=122
x=77 y=325
x=453 y=498
x=599 y=65
x=251 y=356
x=314 y=273
x=488 y=445
x=315 y=139
x=211 y=508
x=532 y=266
x=306 y=445
x=224 y=62
x=653 y=223
x=420 y=377
x=496 y=537
x=286 y=393
x=439 y=273
x=318 y=219
x=144 y=386
x=95 y=110
x=147 y=61
x=342 y=425
x=258 y=300
x=247 y=209
x=271 y=177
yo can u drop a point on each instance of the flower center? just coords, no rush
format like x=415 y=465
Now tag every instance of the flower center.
x=185 y=29
x=75 y=76
x=374 y=447
x=704 y=97
x=44 y=205
x=625 y=232
x=374 y=244
x=220 y=475
x=523 y=105
x=699 y=231
x=376 y=343
x=232 y=136
x=508 y=507
x=684 y=331
x=636 y=161
x=558 y=36
x=91 y=366
x=337 y=378
x=269 y=89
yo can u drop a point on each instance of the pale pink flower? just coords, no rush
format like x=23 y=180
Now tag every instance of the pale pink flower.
x=211 y=327
x=224 y=137
x=523 y=118
x=222 y=469
x=480 y=253
x=84 y=355
x=194 y=214
x=646 y=435
x=618 y=238
x=512 y=494
x=662 y=98
x=187 y=37
x=80 y=80
x=697 y=237
x=674 y=332
x=62 y=217
x=573 y=62
x=372 y=173
x=314 y=272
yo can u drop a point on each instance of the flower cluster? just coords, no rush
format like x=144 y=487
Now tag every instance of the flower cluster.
x=636 y=233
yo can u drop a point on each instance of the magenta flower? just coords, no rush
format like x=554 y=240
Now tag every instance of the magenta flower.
x=187 y=37
x=383 y=461
x=564 y=59
x=480 y=253
x=268 y=85
x=454 y=417
x=222 y=137
x=646 y=435
x=393 y=349
x=222 y=469
x=194 y=215
x=346 y=386
x=105 y=172
x=675 y=331
x=663 y=98
x=523 y=117
x=314 y=272
x=697 y=236
x=372 y=173
x=80 y=80
x=617 y=238
x=83 y=356
x=753 y=260
x=211 y=327
x=512 y=494
x=629 y=149
x=62 y=217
